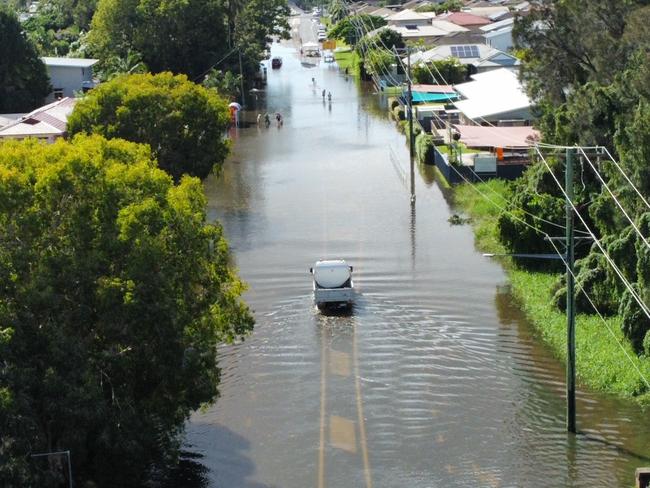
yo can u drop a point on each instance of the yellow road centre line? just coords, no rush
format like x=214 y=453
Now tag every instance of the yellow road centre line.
x=362 y=422
x=321 y=447
x=340 y=363
x=342 y=434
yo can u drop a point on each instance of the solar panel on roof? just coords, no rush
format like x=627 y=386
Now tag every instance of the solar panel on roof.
x=465 y=51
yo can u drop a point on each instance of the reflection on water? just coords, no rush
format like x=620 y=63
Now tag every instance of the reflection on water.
x=434 y=379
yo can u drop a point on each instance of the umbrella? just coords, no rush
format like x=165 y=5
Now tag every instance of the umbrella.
x=235 y=105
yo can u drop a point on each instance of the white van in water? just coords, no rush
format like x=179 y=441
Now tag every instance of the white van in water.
x=333 y=285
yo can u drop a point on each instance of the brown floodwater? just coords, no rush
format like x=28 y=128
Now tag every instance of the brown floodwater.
x=435 y=379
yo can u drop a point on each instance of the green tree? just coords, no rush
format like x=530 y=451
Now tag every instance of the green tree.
x=439 y=8
x=337 y=10
x=256 y=24
x=23 y=79
x=115 y=294
x=181 y=36
x=350 y=28
x=183 y=123
x=585 y=65
x=442 y=71
x=386 y=39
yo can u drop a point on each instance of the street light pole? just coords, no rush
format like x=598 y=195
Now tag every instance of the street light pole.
x=570 y=299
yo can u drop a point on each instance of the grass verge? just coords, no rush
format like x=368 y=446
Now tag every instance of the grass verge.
x=605 y=360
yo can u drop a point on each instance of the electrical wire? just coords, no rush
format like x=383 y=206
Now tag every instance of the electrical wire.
x=582 y=290
x=611 y=262
x=626 y=177
x=618 y=203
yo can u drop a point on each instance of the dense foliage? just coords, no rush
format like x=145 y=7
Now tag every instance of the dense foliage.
x=23 y=79
x=444 y=71
x=585 y=65
x=352 y=28
x=57 y=27
x=183 y=123
x=442 y=7
x=115 y=293
x=187 y=36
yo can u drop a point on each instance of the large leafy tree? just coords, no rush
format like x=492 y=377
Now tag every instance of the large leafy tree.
x=183 y=123
x=114 y=293
x=23 y=79
x=585 y=65
x=256 y=24
x=351 y=29
x=181 y=36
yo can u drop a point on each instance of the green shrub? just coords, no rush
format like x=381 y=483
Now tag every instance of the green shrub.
x=392 y=103
x=424 y=148
x=398 y=112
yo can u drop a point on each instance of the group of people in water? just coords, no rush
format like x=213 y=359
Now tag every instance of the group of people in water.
x=329 y=94
x=267 y=119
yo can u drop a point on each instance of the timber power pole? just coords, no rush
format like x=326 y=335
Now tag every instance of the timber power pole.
x=410 y=103
x=570 y=299
x=241 y=79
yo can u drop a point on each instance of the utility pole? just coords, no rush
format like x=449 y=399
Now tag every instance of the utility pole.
x=410 y=103
x=241 y=79
x=570 y=300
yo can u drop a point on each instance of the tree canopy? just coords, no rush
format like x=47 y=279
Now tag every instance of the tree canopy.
x=351 y=28
x=183 y=123
x=442 y=71
x=585 y=65
x=188 y=36
x=23 y=79
x=115 y=292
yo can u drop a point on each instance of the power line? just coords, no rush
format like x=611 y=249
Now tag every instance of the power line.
x=598 y=243
x=626 y=177
x=582 y=290
x=618 y=203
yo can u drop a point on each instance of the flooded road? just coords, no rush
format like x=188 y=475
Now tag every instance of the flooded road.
x=434 y=379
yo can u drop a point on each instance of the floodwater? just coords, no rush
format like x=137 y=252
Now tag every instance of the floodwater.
x=435 y=379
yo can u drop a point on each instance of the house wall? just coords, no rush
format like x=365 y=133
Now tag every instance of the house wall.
x=70 y=79
x=501 y=40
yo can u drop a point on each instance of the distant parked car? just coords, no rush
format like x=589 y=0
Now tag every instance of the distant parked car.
x=276 y=62
x=322 y=36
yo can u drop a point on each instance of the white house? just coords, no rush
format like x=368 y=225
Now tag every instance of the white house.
x=409 y=17
x=495 y=97
x=69 y=76
x=499 y=34
x=479 y=57
x=47 y=123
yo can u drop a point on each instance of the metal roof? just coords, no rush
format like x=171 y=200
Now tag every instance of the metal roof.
x=69 y=62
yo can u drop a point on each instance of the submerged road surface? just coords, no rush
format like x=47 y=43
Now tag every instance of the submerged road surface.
x=435 y=379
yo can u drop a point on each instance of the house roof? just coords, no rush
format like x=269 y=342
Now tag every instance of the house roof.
x=499 y=25
x=450 y=27
x=414 y=32
x=6 y=119
x=433 y=88
x=406 y=15
x=451 y=50
x=466 y=19
x=486 y=11
x=51 y=119
x=492 y=93
x=69 y=62
x=509 y=137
